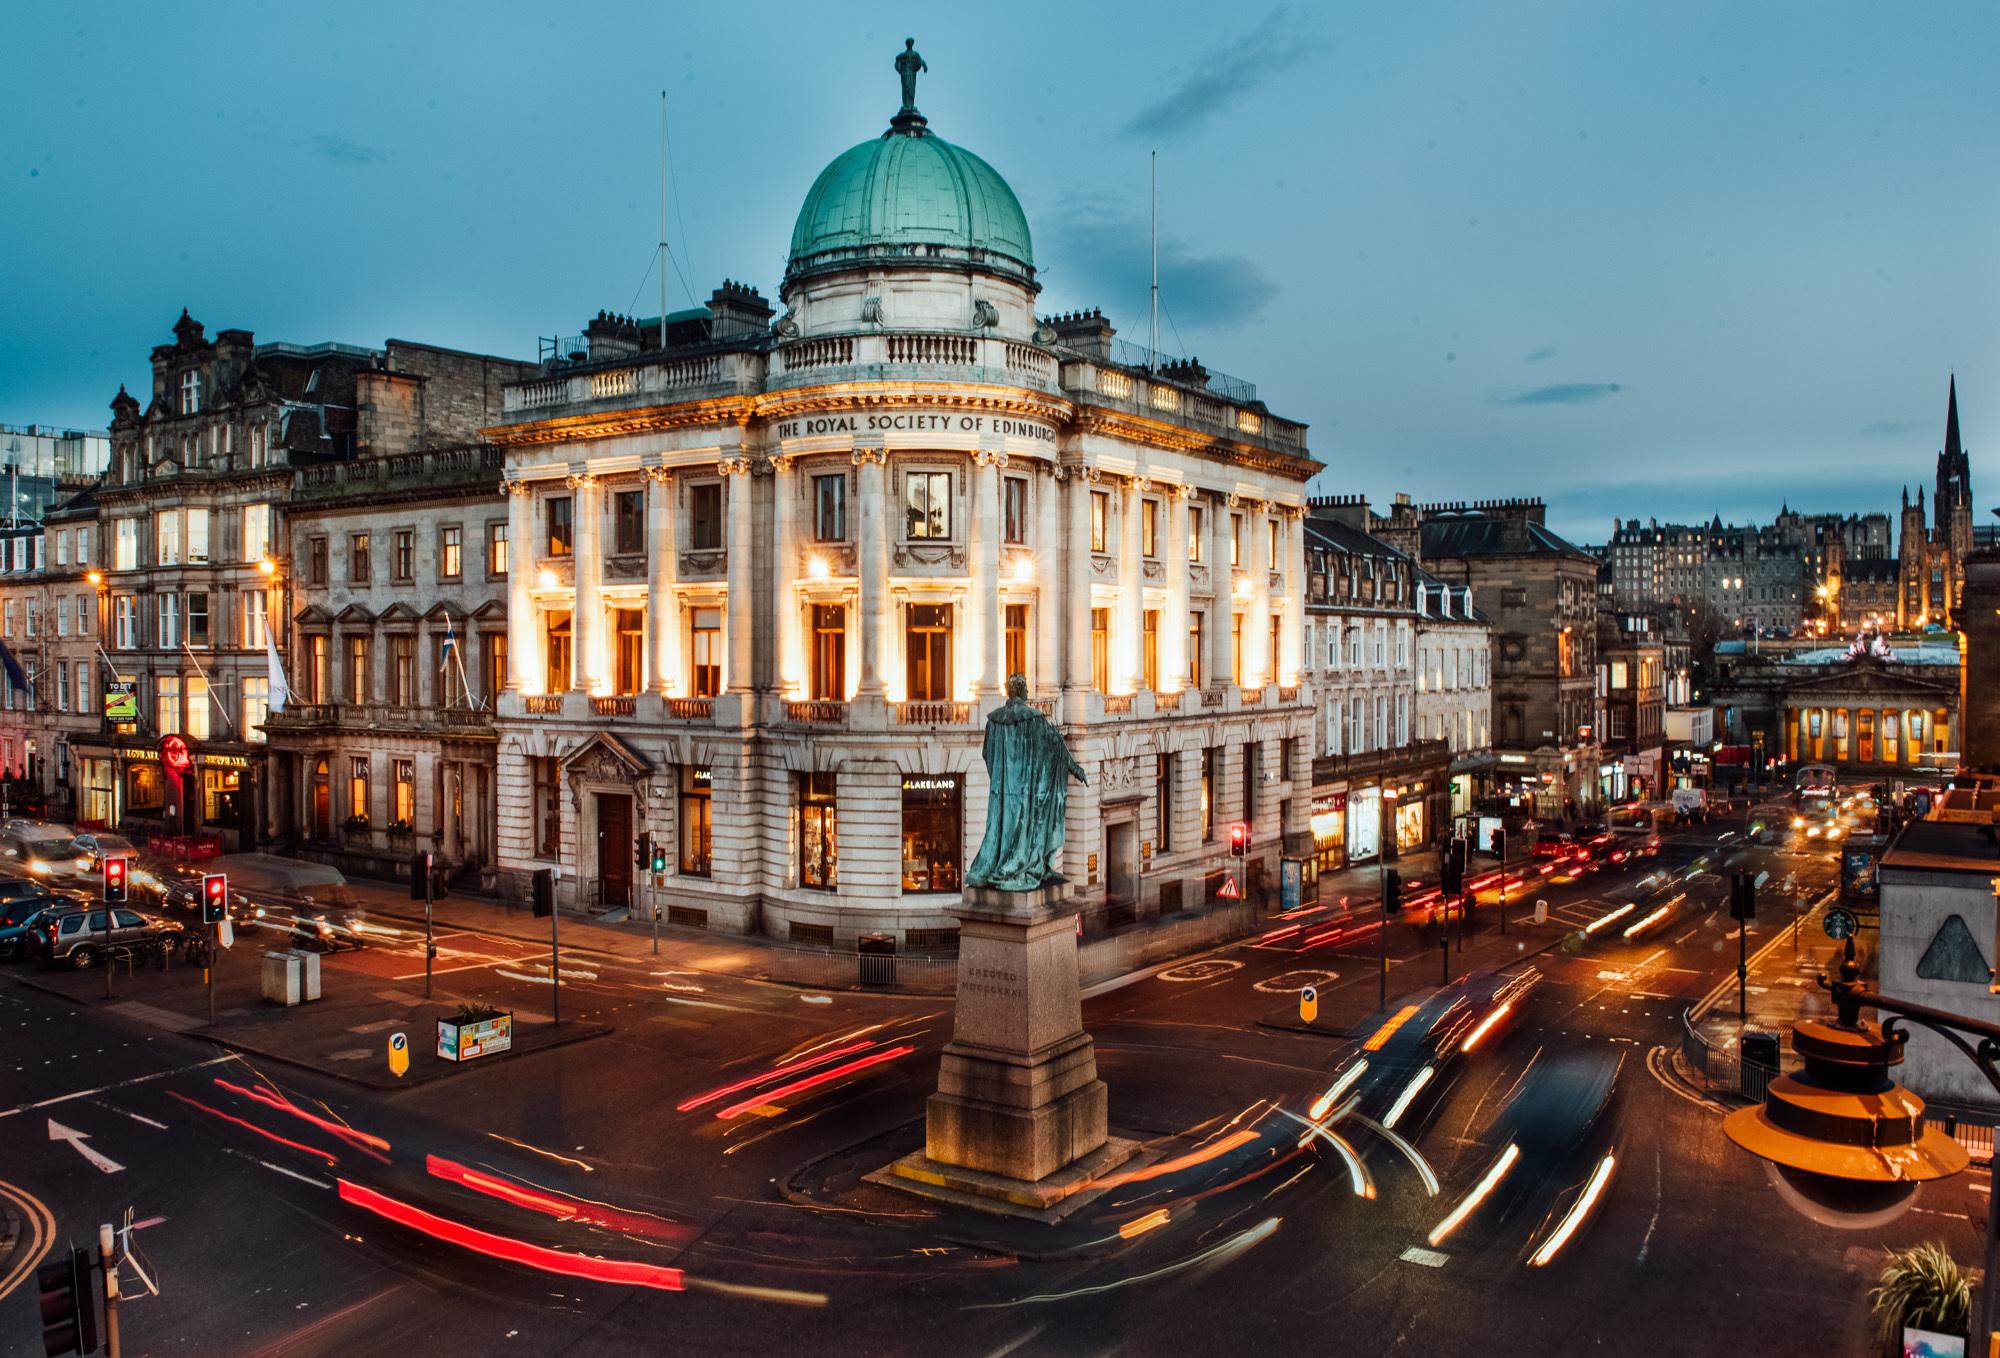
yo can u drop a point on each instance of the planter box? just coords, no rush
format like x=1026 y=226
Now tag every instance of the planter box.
x=469 y=1041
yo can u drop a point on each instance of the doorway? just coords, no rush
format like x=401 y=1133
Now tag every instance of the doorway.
x=614 y=848
x=1121 y=866
x=322 y=801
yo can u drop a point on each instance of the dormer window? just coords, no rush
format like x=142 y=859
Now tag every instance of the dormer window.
x=190 y=392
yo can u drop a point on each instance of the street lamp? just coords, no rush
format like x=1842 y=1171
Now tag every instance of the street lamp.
x=1845 y=1144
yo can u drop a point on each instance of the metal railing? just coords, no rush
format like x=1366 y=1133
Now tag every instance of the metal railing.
x=850 y=969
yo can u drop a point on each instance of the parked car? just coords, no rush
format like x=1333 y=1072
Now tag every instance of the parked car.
x=24 y=889
x=20 y=918
x=76 y=938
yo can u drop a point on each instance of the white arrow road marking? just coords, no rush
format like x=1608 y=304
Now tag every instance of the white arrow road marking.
x=58 y=1132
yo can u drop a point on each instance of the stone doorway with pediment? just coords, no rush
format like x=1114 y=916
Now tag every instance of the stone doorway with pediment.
x=606 y=779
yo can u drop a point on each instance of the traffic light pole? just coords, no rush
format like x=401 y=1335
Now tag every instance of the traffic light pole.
x=653 y=908
x=208 y=970
x=555 y=962
x=430 y=899
x=1382 y=942
x=109 y=1262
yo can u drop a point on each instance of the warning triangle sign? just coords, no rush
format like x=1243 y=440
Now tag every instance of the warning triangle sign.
x=1229 y=891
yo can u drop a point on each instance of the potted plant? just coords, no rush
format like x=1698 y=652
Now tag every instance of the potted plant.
x=355 y=825
x=475 y=1030
x=1921 y=1288
x=400 y=829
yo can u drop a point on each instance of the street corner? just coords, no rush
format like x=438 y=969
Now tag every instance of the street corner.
x=361 y=1053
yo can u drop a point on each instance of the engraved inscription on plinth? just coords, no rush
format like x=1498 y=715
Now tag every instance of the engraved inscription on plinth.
x=1018 y=1093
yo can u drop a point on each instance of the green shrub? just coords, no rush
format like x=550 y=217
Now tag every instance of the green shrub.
x=1922 y=1286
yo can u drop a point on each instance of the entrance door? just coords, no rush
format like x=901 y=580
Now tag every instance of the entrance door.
x=322 y=801
x=1121 y=853
x=614 y=848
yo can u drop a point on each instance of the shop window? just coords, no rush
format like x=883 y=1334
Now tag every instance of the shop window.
x=829 y=652
x=557 y=651
x=145 y=788
x=1100 y=649
x=562 y=526
x=628 y=523
x=696 y=827
x=628 y=626
x=545 y=776
x=1016 y=640
x=819 y=838
x=705 y=516
x=830 y=507
x=705 y=653
x=927 y=505
x=932 y=833
x=928 y=651
x=1014 y=509
x=1940 y=730
x=1329 y=832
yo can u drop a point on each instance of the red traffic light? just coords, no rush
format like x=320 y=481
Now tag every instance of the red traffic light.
x=1239 y=839
x=214 y=897
x=115 y=880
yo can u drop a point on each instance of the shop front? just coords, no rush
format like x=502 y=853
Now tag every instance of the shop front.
x=1364 y=824
x=1611 y=782
x=1410 y=819
x=1329 y=832
x=933 y=832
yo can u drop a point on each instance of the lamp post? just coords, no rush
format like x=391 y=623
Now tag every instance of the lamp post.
x=1847 y=1145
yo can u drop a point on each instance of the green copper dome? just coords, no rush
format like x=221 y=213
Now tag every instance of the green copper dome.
x=910 y=196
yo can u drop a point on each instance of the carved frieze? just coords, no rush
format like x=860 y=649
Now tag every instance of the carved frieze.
x=911 y=554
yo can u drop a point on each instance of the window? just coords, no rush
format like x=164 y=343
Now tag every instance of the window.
x=166 y=704
x=705 y=655
x=83 y=546
x=62 y=615
x=697 y=841
x=1014 y=509
x=556 y=652
x=1211 y=776
x=256 y=445
x=359 y=689
x=1235 y=539
x=1620 y=675
x=197 y=618
x=1252 y=759
x=545 y=777
x=562 y=529
x=256 y=706
x=62 y=688
x=496 y=549
x=830 y=508
x=1149 y=528
x=628 y=523
x=84 y=604
x=1271 y=552
x=190 y=393
x=1016 y=639
x=1194 y=533
x=1100 y=649
x=447 y=661
x=1334 y=730
x=705 y=516
x=829 y=653
x=628 y=629
x=1163 y=803
x=62 y=547
x=197 y=535
x=197 y=694
x=1236 y=649
x=932 y=832
x=403 y=560
x=256 y=603
x=1333 y=643
x=493 y=661
x=1149 y=649
x=256 y=532
x=359 y=567
x=316 y=561
x=169 y=620
x=1864 y=728
x=405 y=810
x=1270 y=675
x=357 y=788
x=927 y=504
x=928 y=652
x=1195 y=626
x=167 y=537
x=319 y=669
x=819 y=839
x=33 y=613
x=403 y=671
x=1100 y=515
x=128 y=622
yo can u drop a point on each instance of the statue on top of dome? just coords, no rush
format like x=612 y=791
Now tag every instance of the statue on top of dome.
x=908 y=63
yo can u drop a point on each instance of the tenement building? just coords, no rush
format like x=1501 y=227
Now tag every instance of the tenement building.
x=49 y=695
x=1455 y=686
x=767 y=578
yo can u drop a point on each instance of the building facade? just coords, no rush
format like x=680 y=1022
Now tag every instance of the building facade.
x=1874 y=712
x=767 y=579
x=1632 y=684
x=1455 y=687
x=1933 y=558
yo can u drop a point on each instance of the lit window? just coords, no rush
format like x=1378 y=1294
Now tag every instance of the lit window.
x=927 y=505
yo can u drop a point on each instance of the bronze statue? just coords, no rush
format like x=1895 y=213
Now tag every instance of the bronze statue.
x=1028 y=769
x=908 y=63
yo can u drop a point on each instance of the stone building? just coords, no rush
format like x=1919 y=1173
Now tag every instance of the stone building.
x=1933 y=560
x=1873 y=711
x=767 y=581
x=1455 y=686
x=1378 y=788
x=1540 y=593
x=1981 y=671
x=1632 y=684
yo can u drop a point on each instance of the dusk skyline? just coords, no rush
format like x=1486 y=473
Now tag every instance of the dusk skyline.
x=1605 y=259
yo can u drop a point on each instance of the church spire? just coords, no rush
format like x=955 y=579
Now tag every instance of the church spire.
x=1951 y=449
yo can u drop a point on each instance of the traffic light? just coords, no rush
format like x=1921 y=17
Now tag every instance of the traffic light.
x=1451 y=868
x=642 y=851
x=1392 y=891
x=659 y=858
x=1239 y=839
x=115 y=882
x=214 y=898
x=544 y=892
x=422 y=868
x=69 y=1309
x=1742 y=896
x=1500 y=845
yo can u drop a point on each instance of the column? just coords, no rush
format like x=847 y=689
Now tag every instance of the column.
x=587 y=622
x=1174 y=620
x=1291 y=541
x=1257 y=613
x=426 y=681
x=784 y=597
x=525 y=659
x=1125 y=643
x=663 y=629
x=736 y=486
x=872 y=567
x=1048 y=575
x=1223 y=578
x=447 y=812
x=1076 y=668
x=979 y=643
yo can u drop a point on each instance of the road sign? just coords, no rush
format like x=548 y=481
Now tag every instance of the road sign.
x=1840 y=923
x=399 y=1055
x=1229 y=891
x=1308 y=1004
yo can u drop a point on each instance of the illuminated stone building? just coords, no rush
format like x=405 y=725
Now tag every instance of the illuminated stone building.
x=767 y=576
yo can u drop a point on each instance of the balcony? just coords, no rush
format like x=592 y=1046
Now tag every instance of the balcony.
x=617 y=706
x=629 y=381
x=543 y=705
x=369 y=477
x=974 y=358
x=691 y=709
x=933 y=714
x=352 y=717
x=818 y=711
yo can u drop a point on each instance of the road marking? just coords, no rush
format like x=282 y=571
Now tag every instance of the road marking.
x=104 y=1163
x=275 y=1169
x=1417 y=1254
x=1290 y=982
x=121 y=1084
x=41 y=1225
x=136 y=1117
x=1206 y=970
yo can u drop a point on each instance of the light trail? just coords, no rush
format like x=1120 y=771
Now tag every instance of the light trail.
x=1577 y=1212
x=1649 y=921
x=812 y=1081
x=553 y=1155
x=1388 y=1030
x=374 y=1145
x=1138 y=1226
x=1480 y=1192
x=560 y=1206
x=777 y=1072
x=1336 y=1089
x=1357 y=1173
x=1411 y=1153
x=1620 y=913
x=327 y=1156
x=1410 y=1091
x=1472 y=1039
x=1199 y=1156
x=1227 y=1249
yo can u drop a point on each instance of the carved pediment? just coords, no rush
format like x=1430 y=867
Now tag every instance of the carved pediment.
x=604 y=759
x=1103 y=565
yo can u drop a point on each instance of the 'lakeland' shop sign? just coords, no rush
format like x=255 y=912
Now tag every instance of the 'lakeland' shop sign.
x=917 y=421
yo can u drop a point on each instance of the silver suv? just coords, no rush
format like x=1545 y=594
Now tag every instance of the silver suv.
x=77 y=939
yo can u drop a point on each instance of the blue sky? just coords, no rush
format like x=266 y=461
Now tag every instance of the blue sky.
x=1666 y=260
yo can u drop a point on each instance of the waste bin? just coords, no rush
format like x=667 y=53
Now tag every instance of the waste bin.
x=1759 y=1062
x=281 y=977
x=876 y=954
x=308 y=973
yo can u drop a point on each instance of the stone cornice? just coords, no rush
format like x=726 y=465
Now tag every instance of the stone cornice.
x=1179 y=438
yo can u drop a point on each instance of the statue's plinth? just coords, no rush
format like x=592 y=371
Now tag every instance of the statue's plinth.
x=1020 y=1115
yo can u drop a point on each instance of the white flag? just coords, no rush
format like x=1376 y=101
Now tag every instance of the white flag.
x=280 y=691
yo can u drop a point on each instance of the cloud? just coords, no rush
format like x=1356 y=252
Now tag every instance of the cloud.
x=1562 y=394
x=341 y=151
x=1100 y=250
x=1891 y=428
x=1220 y=77
x=1541 y=355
